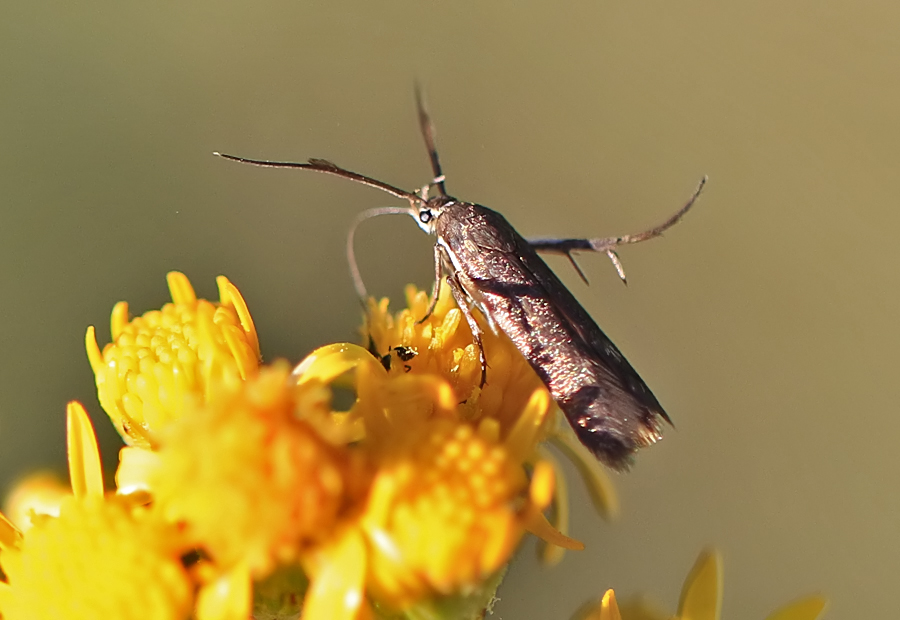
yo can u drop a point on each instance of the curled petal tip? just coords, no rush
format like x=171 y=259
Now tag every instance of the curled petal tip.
x=180 y=288
x=95 y=357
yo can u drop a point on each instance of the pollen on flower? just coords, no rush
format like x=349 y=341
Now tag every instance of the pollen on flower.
x=442 y=514
x=252 y=481
x=160 y=363
x=97 y=559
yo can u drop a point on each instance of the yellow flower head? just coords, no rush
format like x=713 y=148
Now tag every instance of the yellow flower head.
x=447 y=507
x=444 y=347
x=449 y=500
x=162 y=361
x=250 y=478
x=98 y=559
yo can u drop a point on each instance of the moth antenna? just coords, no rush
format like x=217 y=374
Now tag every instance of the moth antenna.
x=428 y=133
x=600 y=244
x=351 y=253
x=326 y=167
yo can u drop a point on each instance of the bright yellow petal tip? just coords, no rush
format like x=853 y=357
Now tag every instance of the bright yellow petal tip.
x=609 y=610
x=96 y=560
x=701 y=597
x=807 y=608
x=161 y=362
x=10 y=535
x=85 y=471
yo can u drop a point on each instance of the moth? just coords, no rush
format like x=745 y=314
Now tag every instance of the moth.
x=491 y=267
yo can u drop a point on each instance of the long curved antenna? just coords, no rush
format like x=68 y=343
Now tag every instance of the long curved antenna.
x=427 y=128
x=351 y=253
x=325 y=166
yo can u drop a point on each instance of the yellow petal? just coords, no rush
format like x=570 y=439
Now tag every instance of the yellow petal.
x=118 y=319
x=537 y=524
x=543 y=482
x=608 y=608
x=226 y=598
x=336 y=588
x=523 y=435
x=701 y=597
x=180 y=288
x=10 y=536
x=551 y=555
x=331 y=361
x=93 y=350
x=230 y=295
x=84 y=456
x=603 y=493
x=808 y=608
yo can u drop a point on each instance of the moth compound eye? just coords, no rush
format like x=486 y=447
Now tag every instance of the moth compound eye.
x=425 y=216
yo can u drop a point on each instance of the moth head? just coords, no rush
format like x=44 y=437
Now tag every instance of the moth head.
x=428 y=211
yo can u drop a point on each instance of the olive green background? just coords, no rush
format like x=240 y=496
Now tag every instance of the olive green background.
x=766 y=322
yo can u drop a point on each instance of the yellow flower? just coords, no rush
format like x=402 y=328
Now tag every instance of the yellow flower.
x=250 y=478
x=449 y=500
x=444 y=347
x=98 y=558
x=161 y=362
x=441 y=516
x=701 y=598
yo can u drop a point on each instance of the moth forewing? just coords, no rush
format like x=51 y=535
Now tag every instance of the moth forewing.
x=609 y=406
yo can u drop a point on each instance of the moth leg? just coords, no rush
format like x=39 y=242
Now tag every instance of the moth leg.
x=462 y=300
x=436 y=289
x=608 y=245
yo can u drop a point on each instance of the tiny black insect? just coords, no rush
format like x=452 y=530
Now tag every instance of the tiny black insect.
x=490 y=266
x=404 y=354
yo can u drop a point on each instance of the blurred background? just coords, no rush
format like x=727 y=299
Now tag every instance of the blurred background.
x=766 y=322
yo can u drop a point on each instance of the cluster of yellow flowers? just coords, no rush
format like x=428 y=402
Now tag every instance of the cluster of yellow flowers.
x=237 y=473
x=243 y=493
